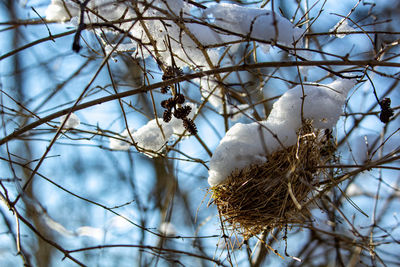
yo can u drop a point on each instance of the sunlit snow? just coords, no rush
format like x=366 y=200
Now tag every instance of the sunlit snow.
x=247 y=144
x=72 y=122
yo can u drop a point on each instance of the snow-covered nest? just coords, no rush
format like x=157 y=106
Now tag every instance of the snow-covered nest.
x=278 y=192
x=263 y=175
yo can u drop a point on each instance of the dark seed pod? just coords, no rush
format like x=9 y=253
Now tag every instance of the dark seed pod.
x=171 y=72
x=180 y=99
x=387 y=111
x=181 y=113
x=164 y=103
x=168 y=73
x=178 y=72
x=166 y=77
x=169 y=103
x=178 y=113
x=167 y=116
x=190 y=126
x=385 y=103
x=165 y=89
x=186 y=110
x=385 y=115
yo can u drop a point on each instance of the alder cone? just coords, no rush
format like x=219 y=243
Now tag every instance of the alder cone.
x=190 y=126
x=167 y=116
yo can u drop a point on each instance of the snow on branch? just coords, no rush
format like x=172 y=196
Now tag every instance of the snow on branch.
x=151 y=138
x=173 y=20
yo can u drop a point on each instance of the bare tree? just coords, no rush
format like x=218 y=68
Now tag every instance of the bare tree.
x=111 y=112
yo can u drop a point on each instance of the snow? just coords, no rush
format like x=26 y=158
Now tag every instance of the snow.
x=92 y=232
x=260 y=23
x=288 y=108
x=247 y=144
x=238 y=111
x=56 y=226
x=181 y=41
x=67 y=10
x=354 y=190
x=255 y=23
x=208 y=36
x=88 y=231
x=217 y=24
x=72 y=122
x=149 y=138
x=342 y=26
x=263 y=24
x=119 y=223
x=167 y=229
x=56 y=11
x=122 y=142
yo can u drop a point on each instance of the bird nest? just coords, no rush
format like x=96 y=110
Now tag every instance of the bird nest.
x=278 y=192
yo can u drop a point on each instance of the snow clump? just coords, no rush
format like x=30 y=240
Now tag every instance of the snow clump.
x=260 y=23
x=323 y=104
x=167 y=229
x=122 y=142
x=72 y=122
x=61 y=11
x=248 y=144
x=149 y=138
x=342 y=26
x=152 y=137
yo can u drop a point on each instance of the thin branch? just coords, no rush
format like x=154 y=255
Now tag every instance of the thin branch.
x=188 y=77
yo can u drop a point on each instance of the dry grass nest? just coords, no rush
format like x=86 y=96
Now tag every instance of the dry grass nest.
x=276 y=193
